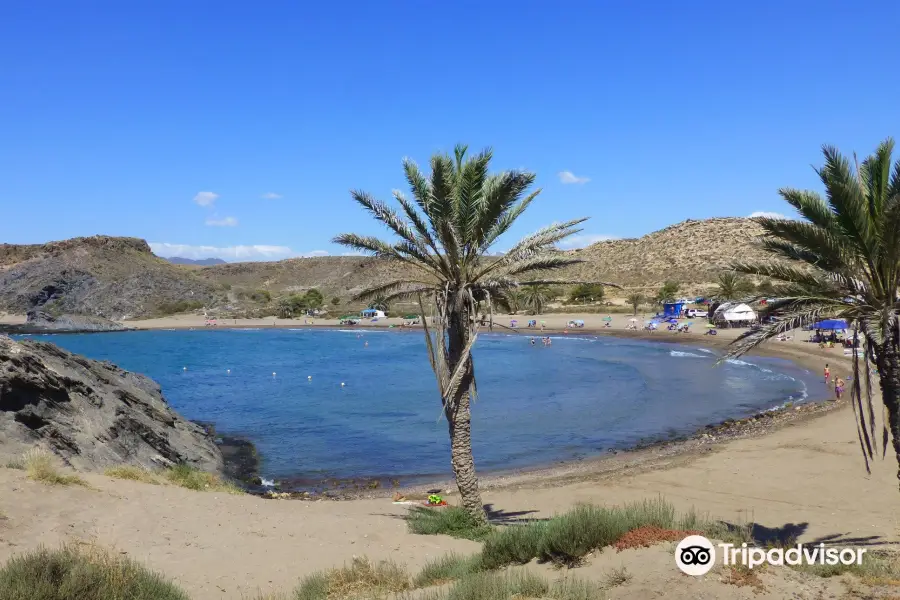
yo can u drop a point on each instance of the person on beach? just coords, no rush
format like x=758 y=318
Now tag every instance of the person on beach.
x=839 y=387
x=827 y=374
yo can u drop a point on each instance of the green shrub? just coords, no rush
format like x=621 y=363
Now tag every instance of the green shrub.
x=180 y=306
x=513 y=545
x=493 y=586
x=132 y=473
x=194 y=479
x=74 y=573
x=450 y=520
x=449 y=567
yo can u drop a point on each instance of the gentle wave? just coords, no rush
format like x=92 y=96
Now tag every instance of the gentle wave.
x=680 y=354
x=706 y=350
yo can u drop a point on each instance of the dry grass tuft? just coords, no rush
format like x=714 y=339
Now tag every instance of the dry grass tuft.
x=133 y=474
x=743 y=576
x=619 y=576
x=361 y=579
x=39 y=466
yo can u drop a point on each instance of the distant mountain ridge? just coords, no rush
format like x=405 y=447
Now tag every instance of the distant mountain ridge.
x=116 y=277
x=201 y=262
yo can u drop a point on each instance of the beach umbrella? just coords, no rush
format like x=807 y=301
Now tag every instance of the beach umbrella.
x=831 y=324
x=633 y=320
x=607 y=318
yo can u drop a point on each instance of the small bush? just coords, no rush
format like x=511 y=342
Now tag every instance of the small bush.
x=180 y=306
x=132 y=474
x=877 y=568
x=39 y=466
x=76 y=573
x=513 y=545
x=17 y=463
x=449 y=567
x=515 y=586
x=616 y=577
x=361 y=579
x=191 y=478
x=451 y=520
x=493 y=586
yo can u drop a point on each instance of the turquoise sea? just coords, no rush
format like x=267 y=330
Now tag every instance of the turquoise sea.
x=537 y=405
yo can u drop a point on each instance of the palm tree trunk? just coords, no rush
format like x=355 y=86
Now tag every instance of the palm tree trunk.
x=889 y=378
x=459 y=416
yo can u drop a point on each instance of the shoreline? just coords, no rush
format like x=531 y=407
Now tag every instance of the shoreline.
x=641 y=456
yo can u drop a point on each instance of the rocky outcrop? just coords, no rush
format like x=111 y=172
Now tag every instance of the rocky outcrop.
x=42 y=321
x=102 y=276
x=92 y=414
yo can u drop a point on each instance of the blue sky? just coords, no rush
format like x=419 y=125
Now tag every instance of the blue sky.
x=241 y=127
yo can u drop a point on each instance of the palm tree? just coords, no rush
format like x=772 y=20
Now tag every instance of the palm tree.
x=635 y=300
x=512 y=300
x=444 y=236
x=667 y=292
x=732 y=286
x=379 y=303
x=536 y=297
x=843 y=261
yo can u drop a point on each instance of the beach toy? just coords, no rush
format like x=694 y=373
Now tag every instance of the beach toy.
x=435 y=500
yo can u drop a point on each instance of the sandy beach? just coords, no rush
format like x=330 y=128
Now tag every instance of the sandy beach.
x=803 y=479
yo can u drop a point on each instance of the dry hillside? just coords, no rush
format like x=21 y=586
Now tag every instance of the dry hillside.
x=691 y=253
x=116 y=277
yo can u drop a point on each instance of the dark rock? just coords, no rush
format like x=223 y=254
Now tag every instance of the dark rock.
x=92 y=414
x=40 y=320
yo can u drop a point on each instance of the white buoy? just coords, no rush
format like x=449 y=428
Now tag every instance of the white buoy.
x=228 y=371
x=273 y=373
x=184 y=368
x=342 y=384
x=309 y=377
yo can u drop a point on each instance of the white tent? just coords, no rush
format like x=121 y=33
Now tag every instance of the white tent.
x=733 y=313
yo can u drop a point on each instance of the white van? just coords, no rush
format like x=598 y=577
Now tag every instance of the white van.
x=696 y=313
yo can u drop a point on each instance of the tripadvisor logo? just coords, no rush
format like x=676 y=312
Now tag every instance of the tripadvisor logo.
x=696 y=555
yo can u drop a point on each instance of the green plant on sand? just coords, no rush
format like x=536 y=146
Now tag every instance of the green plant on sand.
x=39 y=466
x=77 y=572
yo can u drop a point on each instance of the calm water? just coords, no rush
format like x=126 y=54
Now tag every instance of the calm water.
x=537 y=405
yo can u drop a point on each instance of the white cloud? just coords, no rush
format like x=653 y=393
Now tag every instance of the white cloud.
x=205 y=198
x=768 y=215
x=271 y=196
x=568 y=177
x=352 y=254
x=230 y=253
x=226 y=222
x=584 y=240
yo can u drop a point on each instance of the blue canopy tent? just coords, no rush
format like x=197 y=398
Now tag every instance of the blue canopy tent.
x=672 y=309
x=831 y=325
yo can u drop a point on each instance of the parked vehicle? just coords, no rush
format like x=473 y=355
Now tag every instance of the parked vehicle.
x=695 y=313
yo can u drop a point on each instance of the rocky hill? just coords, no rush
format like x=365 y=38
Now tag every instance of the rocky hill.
x=120 y=277
x=110 y=277
x=91 y=413
x=691 y=253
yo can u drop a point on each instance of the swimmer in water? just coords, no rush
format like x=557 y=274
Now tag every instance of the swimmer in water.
x=532 y=341
x=366 y=344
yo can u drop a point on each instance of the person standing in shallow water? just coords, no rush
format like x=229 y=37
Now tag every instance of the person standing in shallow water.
x=838 y=387
x=827 y=374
